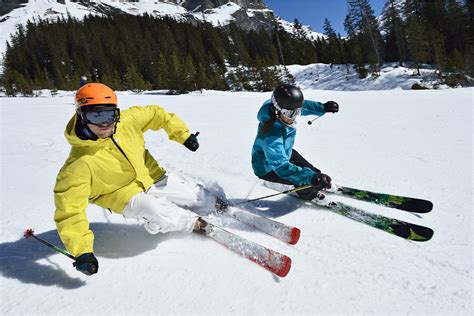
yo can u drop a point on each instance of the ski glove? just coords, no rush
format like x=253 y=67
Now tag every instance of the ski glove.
x=87 y=264
x=192 y=143
x=331 y=106
x=321 y=181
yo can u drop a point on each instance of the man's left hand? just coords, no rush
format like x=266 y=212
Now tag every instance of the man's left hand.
x=192 y=143
x=87 y=263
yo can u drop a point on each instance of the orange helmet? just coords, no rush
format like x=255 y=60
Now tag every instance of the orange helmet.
x=95 y=94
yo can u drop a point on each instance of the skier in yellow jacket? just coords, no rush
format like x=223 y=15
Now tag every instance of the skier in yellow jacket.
x=109 y=166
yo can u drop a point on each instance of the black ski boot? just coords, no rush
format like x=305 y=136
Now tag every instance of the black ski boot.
x=221 y=205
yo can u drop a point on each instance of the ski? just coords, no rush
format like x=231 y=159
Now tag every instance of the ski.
x=403 y=203
x=390 y=225
x=269 y=259
x=283 y=232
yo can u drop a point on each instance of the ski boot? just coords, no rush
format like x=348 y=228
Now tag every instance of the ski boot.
x=221 y=205
x=200 y=226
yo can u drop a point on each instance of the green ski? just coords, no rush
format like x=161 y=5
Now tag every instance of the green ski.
x=403 y=203
x=390 y=225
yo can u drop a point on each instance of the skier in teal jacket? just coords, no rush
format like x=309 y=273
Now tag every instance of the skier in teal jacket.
x=273 y=156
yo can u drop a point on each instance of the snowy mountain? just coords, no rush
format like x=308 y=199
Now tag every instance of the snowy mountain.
x=416 y=143
x=246 y=13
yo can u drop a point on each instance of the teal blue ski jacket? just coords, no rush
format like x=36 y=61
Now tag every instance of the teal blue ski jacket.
x=272 y=151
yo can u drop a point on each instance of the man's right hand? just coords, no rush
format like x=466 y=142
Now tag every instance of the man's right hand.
x=87 y=263
x=321 y=181
x=331 y=106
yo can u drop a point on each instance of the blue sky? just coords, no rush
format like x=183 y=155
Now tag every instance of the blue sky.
x=313 y=12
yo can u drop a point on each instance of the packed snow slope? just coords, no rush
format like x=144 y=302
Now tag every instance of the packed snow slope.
x=415 y=143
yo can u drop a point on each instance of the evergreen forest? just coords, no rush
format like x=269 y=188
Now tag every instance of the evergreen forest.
x=143 y=52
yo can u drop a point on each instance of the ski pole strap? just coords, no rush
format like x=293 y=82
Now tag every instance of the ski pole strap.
x=303 y=187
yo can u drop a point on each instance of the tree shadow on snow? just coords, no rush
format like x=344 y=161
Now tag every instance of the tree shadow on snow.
x=19 y=259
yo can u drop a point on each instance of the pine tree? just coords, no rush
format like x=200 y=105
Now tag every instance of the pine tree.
x=332 y=46
x=112 y=80
x=188 y=75
x=133 y=80
x=395 y=35
x=300 y=32
x=458 y=38
x=361 y=25
x=174 y=78
x=417 y=41
x=202 y=82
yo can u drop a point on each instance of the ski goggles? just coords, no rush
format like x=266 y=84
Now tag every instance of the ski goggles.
x=105 y=116
x=290 y=114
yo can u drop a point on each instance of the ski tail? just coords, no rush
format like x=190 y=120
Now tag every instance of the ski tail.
x=269 y=259
x=400 y=202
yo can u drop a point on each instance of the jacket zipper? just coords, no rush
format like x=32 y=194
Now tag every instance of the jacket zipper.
x=123 y=153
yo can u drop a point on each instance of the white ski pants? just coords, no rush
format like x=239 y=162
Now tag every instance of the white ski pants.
x=158 y=209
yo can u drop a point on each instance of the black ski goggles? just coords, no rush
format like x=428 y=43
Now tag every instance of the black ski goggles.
x=104 y=116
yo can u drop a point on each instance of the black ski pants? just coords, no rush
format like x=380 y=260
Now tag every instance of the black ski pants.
x=296 y=159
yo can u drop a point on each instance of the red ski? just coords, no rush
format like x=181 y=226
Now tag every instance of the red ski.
x=267 y=258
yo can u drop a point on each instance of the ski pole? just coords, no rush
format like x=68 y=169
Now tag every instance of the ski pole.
x=311 y=122
x=279 y=193
x=30 y=233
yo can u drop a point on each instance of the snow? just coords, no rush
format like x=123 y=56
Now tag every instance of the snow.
x=289 y=27
x=221 y=15
x=416 y=143
x=152 y=7
x=344 y=77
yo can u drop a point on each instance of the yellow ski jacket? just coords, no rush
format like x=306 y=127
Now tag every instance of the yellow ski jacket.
x=108 y=172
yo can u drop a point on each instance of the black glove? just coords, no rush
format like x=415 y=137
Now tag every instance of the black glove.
x=87 y=264
x=192 y=143
x=331 y=106
x=321 y=181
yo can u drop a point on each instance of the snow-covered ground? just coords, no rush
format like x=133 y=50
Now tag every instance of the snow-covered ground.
x=416 y=143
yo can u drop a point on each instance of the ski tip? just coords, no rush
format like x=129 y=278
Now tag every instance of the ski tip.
x=423 y=234
x=416 y=205
x=426 y=206
x=280 y=266
x=282 y=269
x=294 y=236
x=413 y=232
